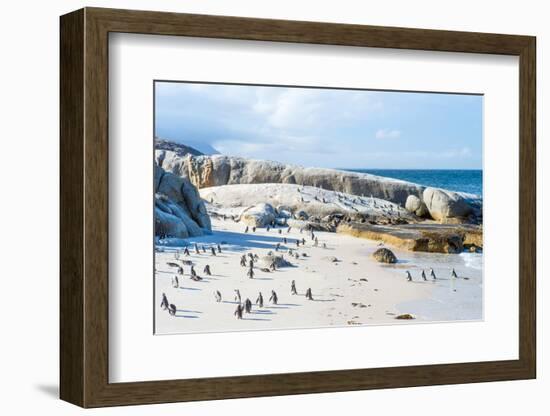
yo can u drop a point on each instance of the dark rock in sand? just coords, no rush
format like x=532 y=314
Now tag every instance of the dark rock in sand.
x=384 y=255
x=405 y=316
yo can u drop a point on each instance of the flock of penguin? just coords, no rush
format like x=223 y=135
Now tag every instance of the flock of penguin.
x=246 y=306
x=432 y=275
x=242 y=307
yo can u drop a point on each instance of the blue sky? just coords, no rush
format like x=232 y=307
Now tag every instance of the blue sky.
x=324 y=127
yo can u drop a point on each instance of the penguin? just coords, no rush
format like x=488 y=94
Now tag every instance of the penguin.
x=250 y=273
x=453 y=274
x=197 y=248
x=218 y=296
x=284 y=240
x=213 y=251
x=172 y=309
x=260 y=300
x=207 y=270
x=288 y=229
x=203 y=249
x=237 y=296
x=432 y=274
x=409 y=277
x=243 y=261
x=424 y=276
x=273 y=299
x=196 y=278
x=239 y=311
x=297 y=243
x=175 y=282
x=164 y=303
x=192 y=271
x=219 y=248
x=267 y=228
x=309 y=295
x=303 y=241
x=251 y=263
x=253 y=229
x=246 y=229
x=247 y=306
x=186 y=251
x=277 y=246
x=293 y=290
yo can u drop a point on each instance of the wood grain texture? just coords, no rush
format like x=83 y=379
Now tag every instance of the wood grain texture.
x=71 y=100
x=84 y=207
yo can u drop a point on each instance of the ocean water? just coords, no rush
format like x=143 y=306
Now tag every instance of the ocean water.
x=469 y=181
x=459 y=299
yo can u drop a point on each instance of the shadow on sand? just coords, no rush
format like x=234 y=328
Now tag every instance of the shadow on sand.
x=244 y=241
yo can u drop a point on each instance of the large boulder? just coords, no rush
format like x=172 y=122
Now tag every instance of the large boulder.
x=179 y=210
x=416 y=206
x=259 y=215
x=445 y=206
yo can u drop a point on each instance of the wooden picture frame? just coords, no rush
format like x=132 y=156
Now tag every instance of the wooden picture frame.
x=84 y=207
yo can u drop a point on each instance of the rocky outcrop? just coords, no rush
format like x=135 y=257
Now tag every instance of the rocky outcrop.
x=433 y=238
x=304 y=203
x=217 y=170
x=179 y=209
x=178 y=148
x=384 y=255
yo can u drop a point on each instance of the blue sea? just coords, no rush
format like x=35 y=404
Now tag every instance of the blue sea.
x=470 y=181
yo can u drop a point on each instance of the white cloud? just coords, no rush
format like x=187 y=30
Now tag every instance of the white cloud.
x=387 y=134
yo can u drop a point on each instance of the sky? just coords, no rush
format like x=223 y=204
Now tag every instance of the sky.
x=331 y=128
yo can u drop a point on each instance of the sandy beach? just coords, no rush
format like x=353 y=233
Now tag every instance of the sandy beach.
x=348 y=286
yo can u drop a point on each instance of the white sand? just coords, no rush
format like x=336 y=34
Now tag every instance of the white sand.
x=335 y=285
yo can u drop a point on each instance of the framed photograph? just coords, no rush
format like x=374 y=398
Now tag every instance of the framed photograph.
x=255 y=207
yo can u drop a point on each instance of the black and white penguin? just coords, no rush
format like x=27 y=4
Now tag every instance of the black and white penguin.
x=293 y=290
x=274 y=298
x=164 y=303
x=260 y=300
